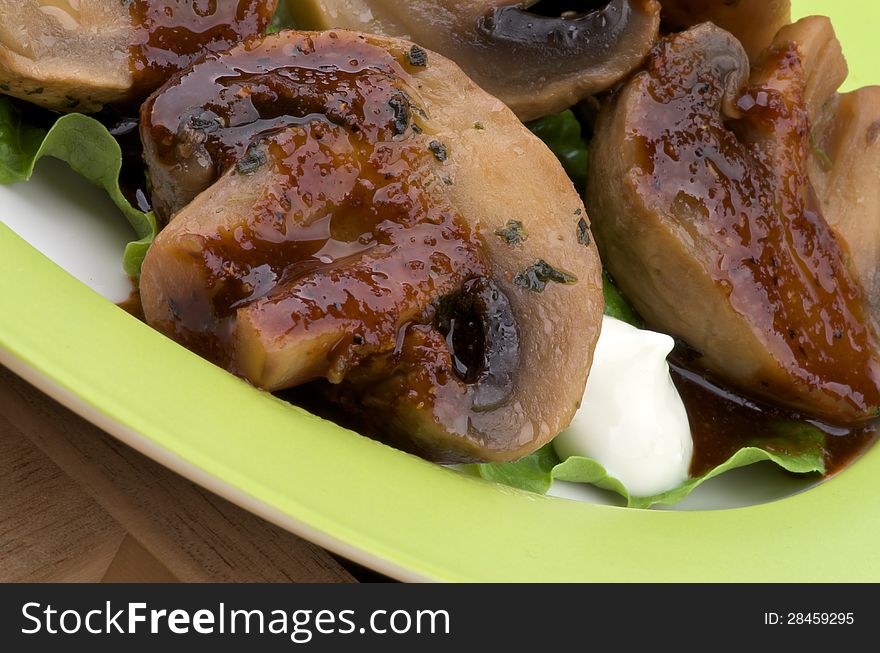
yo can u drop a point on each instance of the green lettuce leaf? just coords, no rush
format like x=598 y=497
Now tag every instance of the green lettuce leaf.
x=281 y=20
x=562 y=134
x=616 y=305
x=533 y=473
x=794 y=446
x=89 y=149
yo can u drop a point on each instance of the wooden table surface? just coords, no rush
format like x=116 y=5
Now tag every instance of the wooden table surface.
x=78 y=505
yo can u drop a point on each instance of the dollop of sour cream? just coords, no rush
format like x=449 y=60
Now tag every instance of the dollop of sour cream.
x=632 y=419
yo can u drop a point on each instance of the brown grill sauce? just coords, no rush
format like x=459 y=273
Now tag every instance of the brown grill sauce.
x=171 y=34
x=722 y=423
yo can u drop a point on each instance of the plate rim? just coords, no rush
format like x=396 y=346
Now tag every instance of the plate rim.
x=184 y=468
x=523 y=536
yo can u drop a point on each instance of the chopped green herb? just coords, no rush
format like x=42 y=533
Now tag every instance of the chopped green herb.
x=4 y=87
x=541 y=273
x=254 y=160
x=400 y=106
x=207 y=122
x=36 y=91
x=513 y=233
x=819 y=153
x=417 y=56
x=583 y=231
x=479 y=126
x=438 y=149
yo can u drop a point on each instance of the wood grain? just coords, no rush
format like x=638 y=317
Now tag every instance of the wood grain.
x=77 y=504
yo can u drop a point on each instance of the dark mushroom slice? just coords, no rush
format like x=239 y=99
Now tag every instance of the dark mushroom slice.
x=78 y=55
x=537 y=64
x=754 y=22
x=333 y=213
x=705 y=215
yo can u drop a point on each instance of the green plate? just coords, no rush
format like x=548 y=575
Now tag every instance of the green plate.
x=391 y=511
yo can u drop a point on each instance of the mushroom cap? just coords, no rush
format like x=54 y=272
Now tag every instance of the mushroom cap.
x=705 y=216
x=354 y=208
x=538 y=65
x=78 y=55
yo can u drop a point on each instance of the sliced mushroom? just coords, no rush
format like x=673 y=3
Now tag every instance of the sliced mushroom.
x=78 y=55
x=754 y=22
x=706 y=217
x=536 y=64
x=335 y=201
x=845 y=165
x=845 y=173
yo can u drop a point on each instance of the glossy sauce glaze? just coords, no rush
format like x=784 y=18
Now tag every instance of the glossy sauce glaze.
x=723 y=422
x=744 y=183
x=172 y=34
x=346 y=195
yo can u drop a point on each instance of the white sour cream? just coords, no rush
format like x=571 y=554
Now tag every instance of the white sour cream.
x=632 y=419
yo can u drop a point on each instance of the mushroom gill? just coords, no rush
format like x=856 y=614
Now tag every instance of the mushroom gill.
x=354 y=209
x=705 y=214
x=78 y=55
x=537 y=64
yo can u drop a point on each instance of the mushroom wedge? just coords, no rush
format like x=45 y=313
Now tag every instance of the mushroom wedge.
x=78 y=55
x=537 y=64
x=355 y=209
x=845 y=174
x=705 y=215
x=754 y=22
x=846 y=143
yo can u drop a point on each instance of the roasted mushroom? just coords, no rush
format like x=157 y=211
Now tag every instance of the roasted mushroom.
x=354 y=208
x=78 y=55
x=845 y=166
x=537 y=64
x=754 y=22
x=705 y=215
x=845 y=173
